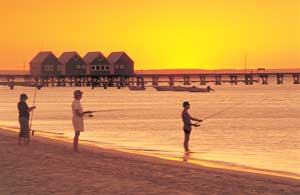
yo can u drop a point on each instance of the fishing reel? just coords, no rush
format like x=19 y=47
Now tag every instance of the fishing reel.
x=198 y=123
x=89 y=113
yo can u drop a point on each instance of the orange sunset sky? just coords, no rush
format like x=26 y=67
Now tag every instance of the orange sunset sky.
x=157 y=34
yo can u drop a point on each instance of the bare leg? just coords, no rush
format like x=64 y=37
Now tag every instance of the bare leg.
x=186 y=142
x=19 y=140
x=75 y=142
x=27 y=137
x=25 y=140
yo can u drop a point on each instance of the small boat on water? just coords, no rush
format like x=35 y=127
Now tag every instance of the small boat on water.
x=197 y=89
x=171 y=88
x=163 y=88
x=136 y=88
x=181 y=88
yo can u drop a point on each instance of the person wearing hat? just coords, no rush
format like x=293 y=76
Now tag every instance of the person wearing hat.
x=187 y=124
x=77 y=119
x=24 y=113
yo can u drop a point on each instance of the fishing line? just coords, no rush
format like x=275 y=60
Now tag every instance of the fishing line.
x=220 y=112
x=224 y=110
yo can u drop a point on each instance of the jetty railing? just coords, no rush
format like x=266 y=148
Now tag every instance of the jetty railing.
x=149 y=80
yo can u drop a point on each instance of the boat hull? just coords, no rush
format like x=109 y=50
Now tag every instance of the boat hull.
x=196 y=89
x=136 y=88
x=168 y=88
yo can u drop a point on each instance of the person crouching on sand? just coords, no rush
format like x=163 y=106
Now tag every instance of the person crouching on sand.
x=187 y=125
x=24 y=113
x=77 y=119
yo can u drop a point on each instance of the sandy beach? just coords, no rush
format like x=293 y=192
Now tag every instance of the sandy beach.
x=48 y=166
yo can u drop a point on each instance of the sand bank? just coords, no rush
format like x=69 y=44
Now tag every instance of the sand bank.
x=48 y=166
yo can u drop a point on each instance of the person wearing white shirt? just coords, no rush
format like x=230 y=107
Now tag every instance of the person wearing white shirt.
x=77 y=119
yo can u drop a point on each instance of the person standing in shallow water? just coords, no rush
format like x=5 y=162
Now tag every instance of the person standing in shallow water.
x=77 y=119
x=187 y=125
x=24 y=114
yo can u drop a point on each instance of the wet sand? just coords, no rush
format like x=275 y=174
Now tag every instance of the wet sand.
x=48 y=166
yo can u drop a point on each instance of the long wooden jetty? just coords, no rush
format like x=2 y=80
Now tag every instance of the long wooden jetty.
x=150 y=80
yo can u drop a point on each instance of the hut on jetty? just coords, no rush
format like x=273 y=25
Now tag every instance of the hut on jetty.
x=45 y=63
x=72 y=64
x=123 y=64
x=97 y=64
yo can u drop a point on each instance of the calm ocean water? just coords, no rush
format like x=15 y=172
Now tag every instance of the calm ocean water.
x=262 y=131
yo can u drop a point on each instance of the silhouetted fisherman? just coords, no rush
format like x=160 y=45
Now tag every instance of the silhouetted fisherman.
x=187 y=125
x=24 y=115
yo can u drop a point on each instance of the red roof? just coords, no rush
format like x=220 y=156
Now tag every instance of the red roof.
x=66 y=56
x=91 y=56
x=115 y=56
x=41 y=57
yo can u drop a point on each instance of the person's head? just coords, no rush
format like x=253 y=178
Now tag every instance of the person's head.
x=23 y=97
x=186 y=105
x=78 y=94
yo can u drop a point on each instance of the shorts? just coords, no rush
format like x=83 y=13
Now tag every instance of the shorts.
x=24 y=127
x=187 y=131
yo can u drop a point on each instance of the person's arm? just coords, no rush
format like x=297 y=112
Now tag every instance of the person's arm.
x=186 y=120
x=78 y=113
x=31 y=108
x=195 y=119
x=87 y=112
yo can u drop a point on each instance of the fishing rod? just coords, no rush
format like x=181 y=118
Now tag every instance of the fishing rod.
x=221 y=111
x=95 y=111
x=217 y=113
x=31 y=118
x=90 y=113
x=231 y=107
x=48 y=132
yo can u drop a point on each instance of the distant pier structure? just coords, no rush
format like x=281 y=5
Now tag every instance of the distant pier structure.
x=117 y=70
x=232 y=78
